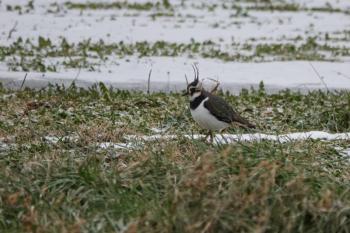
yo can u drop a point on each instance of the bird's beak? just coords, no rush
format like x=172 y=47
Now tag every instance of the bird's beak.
x=185 y=93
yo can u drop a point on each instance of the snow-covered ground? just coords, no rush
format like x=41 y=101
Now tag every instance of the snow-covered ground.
x=168 y=74
x=112 y=25
x=191 y=20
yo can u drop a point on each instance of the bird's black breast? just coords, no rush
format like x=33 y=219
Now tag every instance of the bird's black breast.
x=197 y=101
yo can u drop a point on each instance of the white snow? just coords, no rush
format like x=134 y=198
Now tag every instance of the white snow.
x=115 y=146
x=137 y=141
x=56 y=139
x=113 y=25
x=231 y=138
x=133 y=140
x=346 y=153
x=168 y=74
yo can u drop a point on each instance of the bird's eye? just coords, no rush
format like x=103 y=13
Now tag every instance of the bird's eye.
x=191 y=90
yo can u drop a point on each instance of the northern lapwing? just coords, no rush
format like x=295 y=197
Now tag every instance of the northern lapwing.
x=211 y=112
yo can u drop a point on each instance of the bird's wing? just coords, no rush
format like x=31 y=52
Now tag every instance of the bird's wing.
x=219 y=108
x=224 y=112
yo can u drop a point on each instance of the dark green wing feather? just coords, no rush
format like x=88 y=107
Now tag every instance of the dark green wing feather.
x=219 y=108
x=223 y=111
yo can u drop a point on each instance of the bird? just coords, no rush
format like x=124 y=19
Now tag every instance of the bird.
x=210 y=111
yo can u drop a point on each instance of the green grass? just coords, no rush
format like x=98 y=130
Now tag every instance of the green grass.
x=255 y=5
x=169 y=186
x=73 y=107
x=21 y=9
x=26 y=55
x=146 y=6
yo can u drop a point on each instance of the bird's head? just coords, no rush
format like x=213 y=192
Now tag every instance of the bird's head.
x=194 y=89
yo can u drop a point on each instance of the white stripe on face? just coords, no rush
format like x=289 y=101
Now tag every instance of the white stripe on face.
x=194 y=95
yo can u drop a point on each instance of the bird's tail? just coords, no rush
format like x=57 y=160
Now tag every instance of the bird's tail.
x=243 y=122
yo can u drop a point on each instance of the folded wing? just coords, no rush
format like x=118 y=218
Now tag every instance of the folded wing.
x=224 y=112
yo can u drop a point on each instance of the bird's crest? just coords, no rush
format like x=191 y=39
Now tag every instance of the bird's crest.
x=196 y=73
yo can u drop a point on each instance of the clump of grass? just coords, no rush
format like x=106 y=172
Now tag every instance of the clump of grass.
x=276 y=7
x=273 y=6
x=137 y=112
x=146 y=6
x=306 y=51
x=21 y=8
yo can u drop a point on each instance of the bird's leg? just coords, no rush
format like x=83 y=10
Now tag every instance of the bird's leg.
x=222 y=135
x=206 y=137
x=211 y=136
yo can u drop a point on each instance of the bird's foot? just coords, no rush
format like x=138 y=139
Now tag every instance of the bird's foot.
x=210 y=136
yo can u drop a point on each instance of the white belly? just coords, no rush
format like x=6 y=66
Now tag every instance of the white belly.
x=207 y=121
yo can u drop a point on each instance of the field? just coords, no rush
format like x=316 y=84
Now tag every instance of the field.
x=85 y=148
x=74 y=184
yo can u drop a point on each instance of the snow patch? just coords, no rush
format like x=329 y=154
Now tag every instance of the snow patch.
x=115 y=146
x=169 y=75
x=344 y=152
x=56 y=139
x=231 y=138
